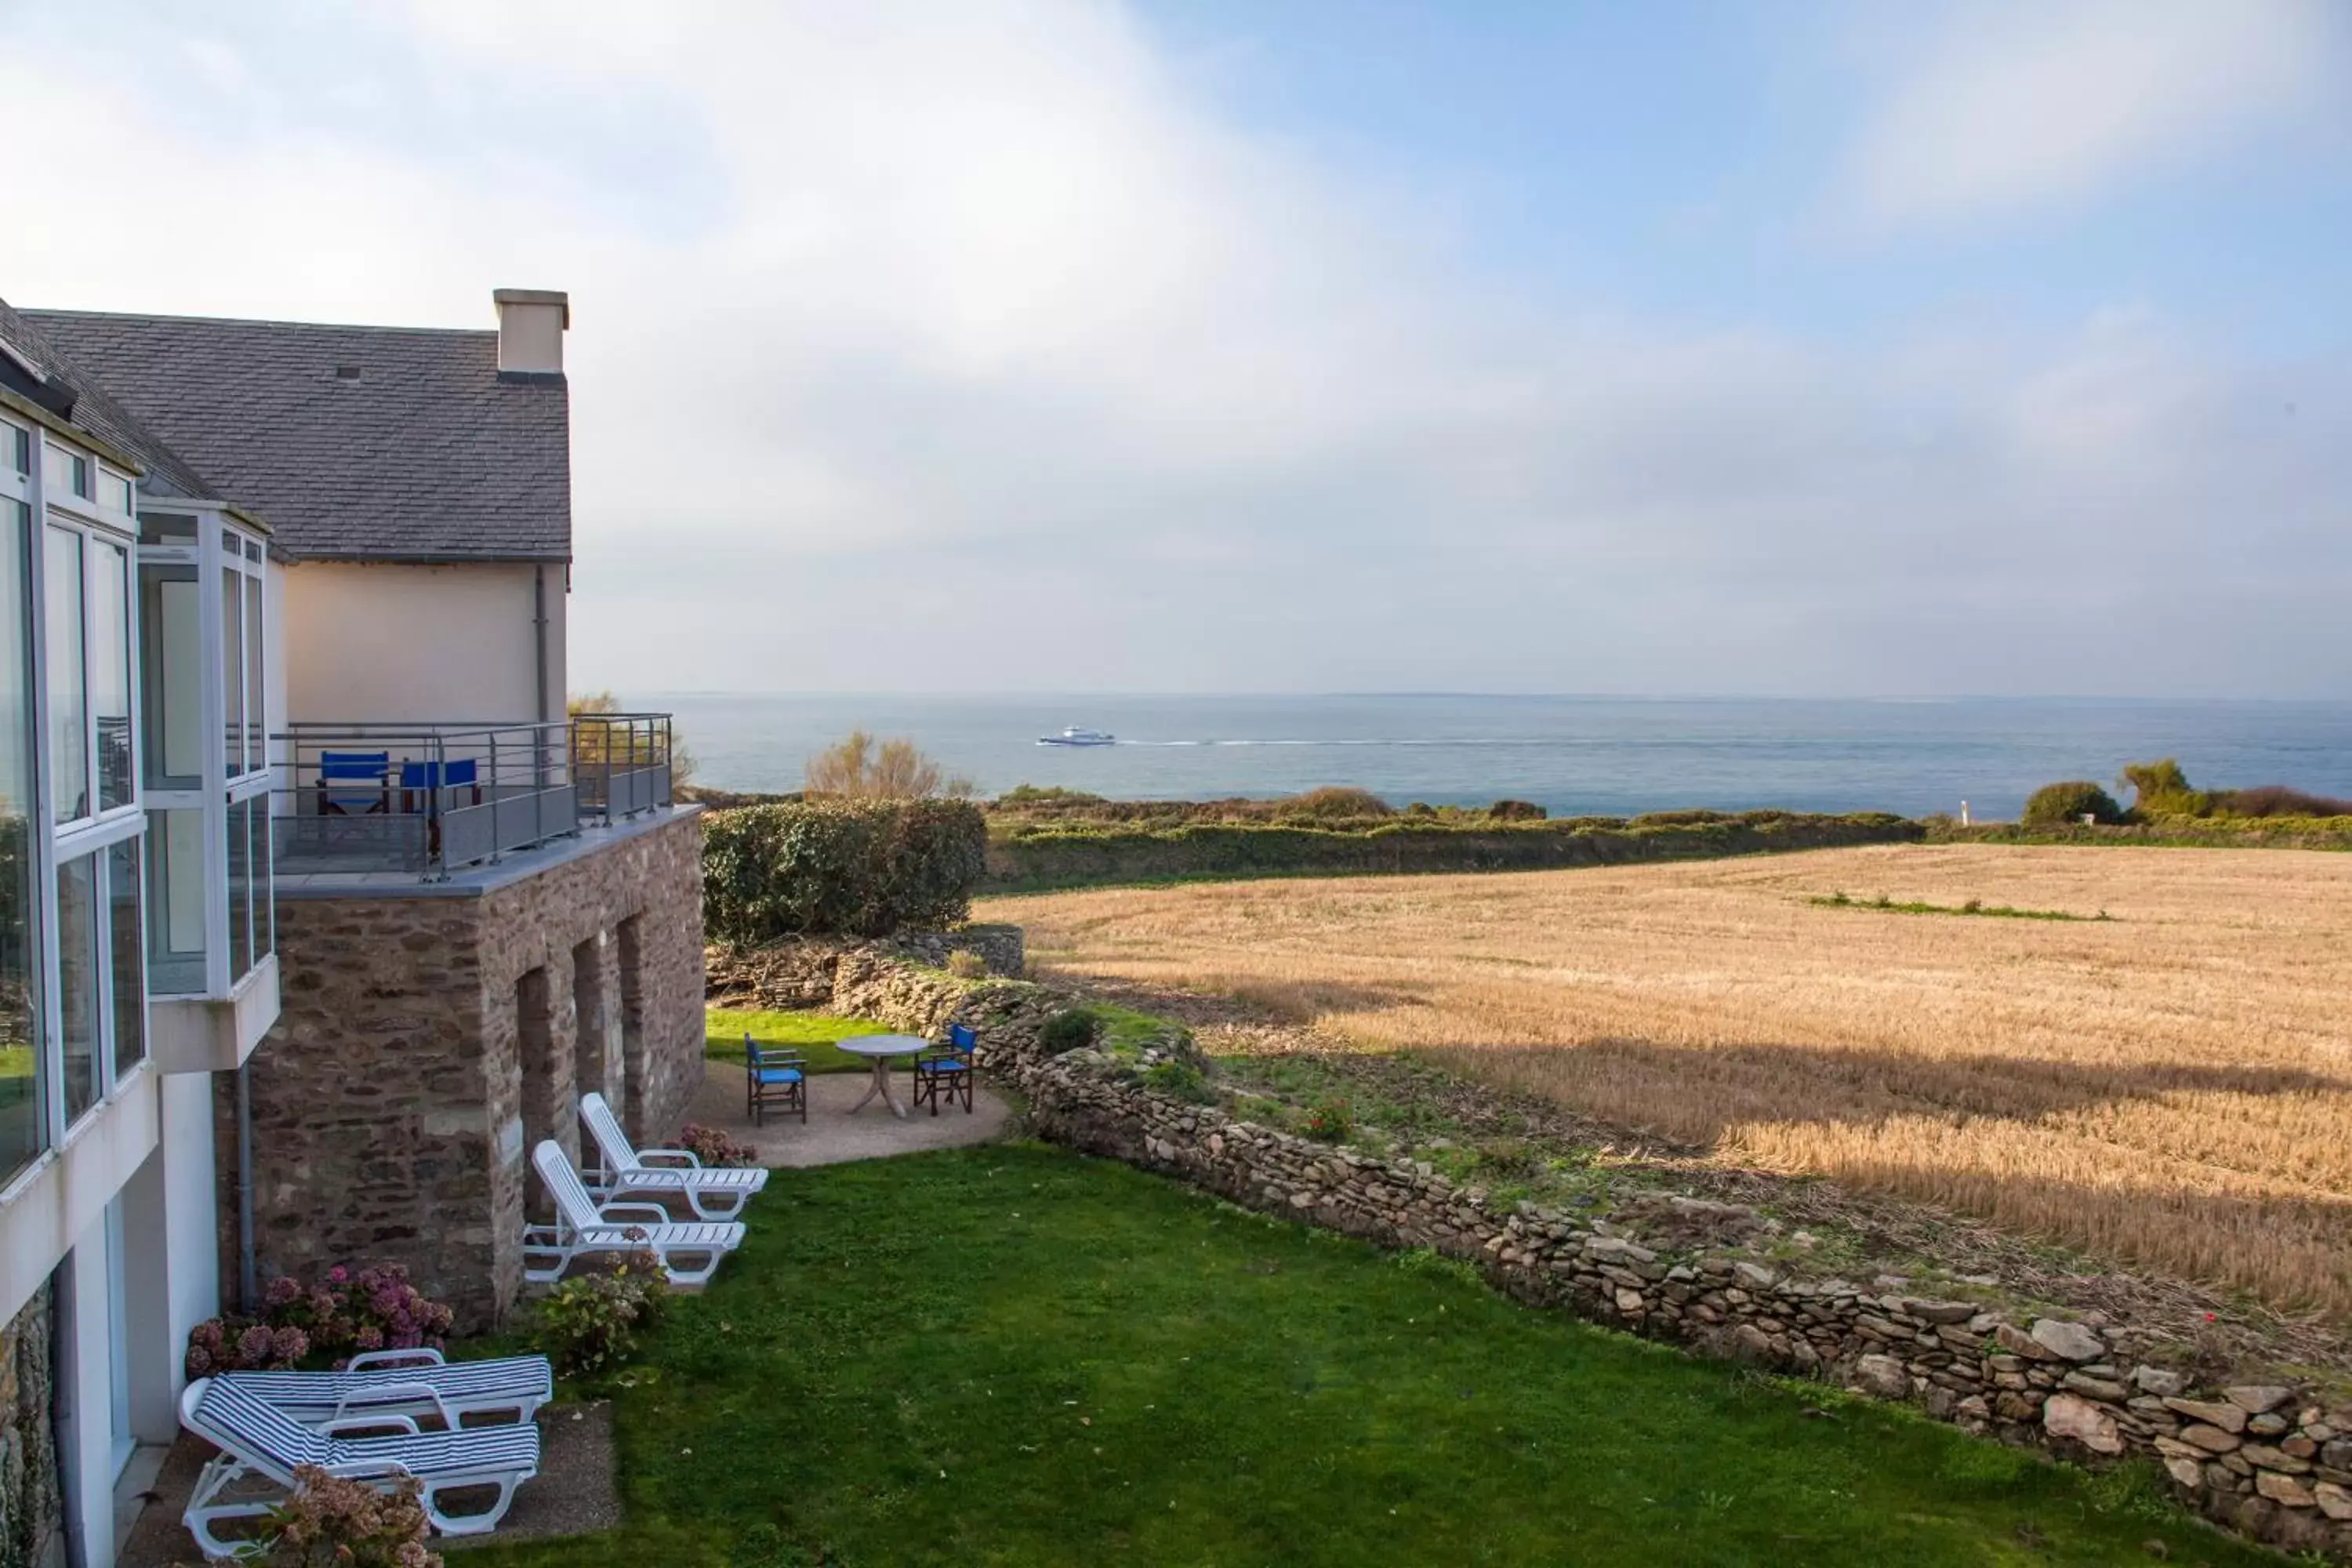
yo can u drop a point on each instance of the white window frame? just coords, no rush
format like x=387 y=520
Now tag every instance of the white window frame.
x=220 y=546
x=55 y=844
x=15 y=486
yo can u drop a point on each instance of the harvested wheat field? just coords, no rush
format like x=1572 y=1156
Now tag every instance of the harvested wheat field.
x=2170 y=1086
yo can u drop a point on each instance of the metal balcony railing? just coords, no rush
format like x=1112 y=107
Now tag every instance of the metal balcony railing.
x=427 y=799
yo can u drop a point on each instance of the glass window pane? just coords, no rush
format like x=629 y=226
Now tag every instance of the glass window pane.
x=77 y=981
x=69 y=714
x=175 y=902
x=114 y=491
x=264 y=881
x=66 y=471
x=240 y=891
x=20 y=1077
x=130 y=968
x=257 y=742
x=172 y=676
x=110 y=668
x=232 y=664
x=16 y=445
x=167 y=528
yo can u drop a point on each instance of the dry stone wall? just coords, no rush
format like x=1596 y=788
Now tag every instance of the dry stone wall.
x=2270 y=1461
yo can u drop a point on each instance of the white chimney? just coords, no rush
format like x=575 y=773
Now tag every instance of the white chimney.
x=531 y=323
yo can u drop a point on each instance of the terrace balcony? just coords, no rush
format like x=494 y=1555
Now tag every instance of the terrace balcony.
x=404 y=803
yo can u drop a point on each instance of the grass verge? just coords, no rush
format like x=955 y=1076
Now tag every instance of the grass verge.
x=810 y=1034
x=1127 y=1371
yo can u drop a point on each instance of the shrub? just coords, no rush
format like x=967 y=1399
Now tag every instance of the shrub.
x=861 y=867
x=1328 y=1122
x=1516 y=811
x=2161 y=789
x=714 y=1146
x=242 y=1344
x=1069 y=1031
x=334 y=1522
x=589 y=1322
x=2059 y=805
x=896 y=770
x=966 y=964
x=347 y=1312
x=2277 y=800
x=1181 y=1080
x=1334 y=802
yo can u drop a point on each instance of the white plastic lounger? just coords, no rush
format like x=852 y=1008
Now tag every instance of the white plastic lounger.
x=715 y=1193
x=257 y=1440
x=413 y=1381
x=582 y=1227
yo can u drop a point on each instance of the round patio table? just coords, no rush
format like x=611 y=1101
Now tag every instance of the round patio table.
x=879 y=1049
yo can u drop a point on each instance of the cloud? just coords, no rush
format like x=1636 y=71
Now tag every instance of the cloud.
x=973 y=348
x=2001 y=107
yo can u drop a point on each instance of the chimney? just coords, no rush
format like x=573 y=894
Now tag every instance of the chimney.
x=531 y=323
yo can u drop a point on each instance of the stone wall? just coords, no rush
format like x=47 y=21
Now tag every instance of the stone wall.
x=32 y=1498
x=397 y=1098
x=1002 y=949
x=2273 y=1461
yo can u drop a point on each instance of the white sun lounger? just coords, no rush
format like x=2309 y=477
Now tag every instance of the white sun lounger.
x=715 y=1193
x=257 y=1440
x=416 y=1382
x=583 y=1227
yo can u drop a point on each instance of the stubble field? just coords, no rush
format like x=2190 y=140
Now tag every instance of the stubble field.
x=2171 y=1086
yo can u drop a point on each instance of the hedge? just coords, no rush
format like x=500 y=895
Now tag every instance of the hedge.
x=853 y=867
x=1032 y=859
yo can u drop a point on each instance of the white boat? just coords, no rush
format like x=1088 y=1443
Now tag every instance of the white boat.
x=1074 y=736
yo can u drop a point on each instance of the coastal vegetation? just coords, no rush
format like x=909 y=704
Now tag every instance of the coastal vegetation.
x=1041 y=839
x=1127 y=1370
x=859 y=767
x=2077 y=800
x=2169 y=1088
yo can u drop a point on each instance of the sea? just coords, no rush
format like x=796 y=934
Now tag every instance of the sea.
x=1574 y=755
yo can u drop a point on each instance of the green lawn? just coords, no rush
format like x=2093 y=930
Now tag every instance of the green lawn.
x=1011 y=1354
x=810 y=1034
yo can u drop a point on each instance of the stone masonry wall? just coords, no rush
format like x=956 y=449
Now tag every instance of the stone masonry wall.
x=390 y=1102
x=2273 y=1461
x=32 y=1498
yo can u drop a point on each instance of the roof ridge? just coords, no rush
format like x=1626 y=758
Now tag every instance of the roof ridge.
x=154 y=316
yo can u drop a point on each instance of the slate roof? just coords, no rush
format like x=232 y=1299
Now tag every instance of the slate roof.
x=95 y=411
x=427 y=452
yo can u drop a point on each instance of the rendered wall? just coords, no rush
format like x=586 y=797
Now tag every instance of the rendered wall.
x=393 y=642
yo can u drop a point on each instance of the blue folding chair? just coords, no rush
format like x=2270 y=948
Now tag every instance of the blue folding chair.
x=774 y=1077
x=354 y=783
x=948 y=1070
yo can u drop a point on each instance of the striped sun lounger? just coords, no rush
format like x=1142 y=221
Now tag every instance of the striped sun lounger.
x=412 y=1382
x=259 y=1441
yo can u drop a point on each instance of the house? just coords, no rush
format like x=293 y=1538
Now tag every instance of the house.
x=315 y=912
x=127 y=774
x=481 y=909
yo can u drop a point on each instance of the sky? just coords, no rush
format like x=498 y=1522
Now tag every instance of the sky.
x=1712 y=347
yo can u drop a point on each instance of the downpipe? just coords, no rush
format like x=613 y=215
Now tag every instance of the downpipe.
x=248 y=1282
